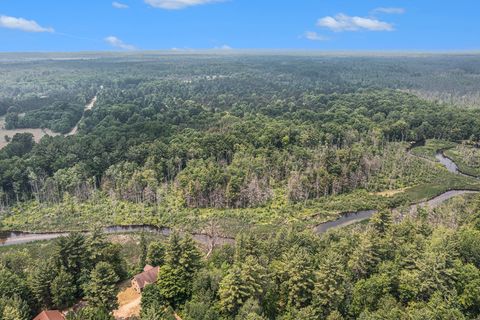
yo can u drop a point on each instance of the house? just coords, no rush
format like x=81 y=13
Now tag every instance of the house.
x=50 y=315
x=148 y=276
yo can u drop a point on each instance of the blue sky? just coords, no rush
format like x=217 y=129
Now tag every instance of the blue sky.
x=371 y=25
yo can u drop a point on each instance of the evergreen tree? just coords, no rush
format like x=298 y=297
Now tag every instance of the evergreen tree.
x=12 y=285
x=40 y=281
x=95 y=244
x=190 y=258
x=250 y=310
x=72 y=255
x=173 y=285
x=175 y=277
x=296 y=279
x=90 y=313
x=233 y=292
x=63 y=290
x=331 y=285
x=143 y=252
x=14 y=308
x=246 y=245
x=381 y=221
x=241 y=283
x=156 y=254
x=152 y=298
x=101 y=290
x=365 y=257
x=174 y=250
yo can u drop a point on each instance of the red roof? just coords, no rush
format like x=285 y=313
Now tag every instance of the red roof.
x=50 y=315
x=147 y=277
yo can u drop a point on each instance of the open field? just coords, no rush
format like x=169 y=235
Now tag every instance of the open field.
x=37 y=133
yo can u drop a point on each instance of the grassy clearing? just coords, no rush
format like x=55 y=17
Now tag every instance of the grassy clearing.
x=467 y=159
x=37 y=133
x=429 y=150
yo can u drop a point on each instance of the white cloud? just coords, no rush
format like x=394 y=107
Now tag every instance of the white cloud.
x=389 y=10
x=312 y=35
x=177 y=4
x=342 y=22
x=224 y=47
x=22 y=24
x=119 y=5
x=117 y=43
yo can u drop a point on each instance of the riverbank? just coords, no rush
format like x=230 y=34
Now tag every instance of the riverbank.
x=75 y=215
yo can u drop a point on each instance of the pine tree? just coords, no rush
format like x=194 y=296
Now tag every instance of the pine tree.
x=331 y=285
x=72 y=255
x=241 y=283
x=143 y=252
x=12 y=285
x=101 y=290
x=40 y=281
x=250 y=310
x=190 y=258
x=90 y=313
x=174 y=250
x=14 y=308
x=63 y=290
x=296 y=278
x=365 y=257
x=156 y=254
x=232 y=291
x=382 y=221
x=95 y=244
x=182 y=261
x=245 y=245
x=152 y=299
x=173 y=285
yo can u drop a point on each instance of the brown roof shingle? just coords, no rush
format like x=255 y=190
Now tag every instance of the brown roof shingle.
x=50 y=315
x=146 y=277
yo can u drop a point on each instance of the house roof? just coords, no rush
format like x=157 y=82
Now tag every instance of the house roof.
x=50 y=315
x=147 y=267
x=146 y=277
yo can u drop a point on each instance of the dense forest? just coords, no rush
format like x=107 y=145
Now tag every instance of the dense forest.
x=237 y=146
x=421 y=267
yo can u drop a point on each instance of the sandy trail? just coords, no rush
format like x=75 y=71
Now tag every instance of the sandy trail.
x=89 y=106
x=129 y=304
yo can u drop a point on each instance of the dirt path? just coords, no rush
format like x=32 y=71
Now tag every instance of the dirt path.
x=89 y=106
x=129 y=304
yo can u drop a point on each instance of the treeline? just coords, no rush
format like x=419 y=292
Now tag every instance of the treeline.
x=59 y=117
x=315 y=145
x=224 y=132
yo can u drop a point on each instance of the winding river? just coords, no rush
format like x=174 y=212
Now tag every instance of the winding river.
x=9 y=238
x=354 y=217
x=17 y=237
